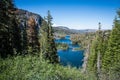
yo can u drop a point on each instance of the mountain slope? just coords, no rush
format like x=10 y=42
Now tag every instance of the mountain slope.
x=66 y=30
x=24 y=16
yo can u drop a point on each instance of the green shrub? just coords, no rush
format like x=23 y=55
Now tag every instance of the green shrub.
x=36 y=68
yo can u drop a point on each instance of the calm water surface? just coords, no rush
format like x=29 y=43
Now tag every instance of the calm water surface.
x=70 y=56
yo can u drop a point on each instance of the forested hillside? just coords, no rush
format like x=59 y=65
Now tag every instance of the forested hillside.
x=104 y=57
x=20 y=31
x=28 y=50
x=66 y=31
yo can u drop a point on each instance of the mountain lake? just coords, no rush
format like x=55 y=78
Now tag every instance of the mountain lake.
x=70 y=56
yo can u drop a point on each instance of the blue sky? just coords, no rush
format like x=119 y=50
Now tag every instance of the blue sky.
x=75 y=14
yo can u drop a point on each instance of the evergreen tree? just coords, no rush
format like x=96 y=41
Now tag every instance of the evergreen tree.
x=48 y=38
x=98 y=48
x=43 y=37
x=112 y=56
x=52 y=51
x=92 y=60
x=6 y=27
x=32 y=33
x=17 y=36
x=10 y=40
x=24 y=39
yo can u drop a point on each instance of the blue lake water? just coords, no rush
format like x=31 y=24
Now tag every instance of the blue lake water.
x=70 y=56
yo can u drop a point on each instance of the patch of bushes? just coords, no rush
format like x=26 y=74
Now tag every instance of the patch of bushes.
x=36 y=68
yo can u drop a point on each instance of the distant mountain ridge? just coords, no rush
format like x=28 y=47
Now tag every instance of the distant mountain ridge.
x=66 y=30
x=25 y=15
x=62 y=30
x=62 y=27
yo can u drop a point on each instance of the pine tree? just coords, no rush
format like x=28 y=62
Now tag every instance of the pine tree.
x=43 y=37
x=24 y=39
x=98 y=48
x=112 y=56
x=92 y=60
x=17 y=36
x=32 y=33
x=6 y=27
x=52 y=51
x=48 y=37
x=10 y=39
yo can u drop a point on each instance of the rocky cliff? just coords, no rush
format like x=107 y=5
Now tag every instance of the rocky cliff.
x=23 y=17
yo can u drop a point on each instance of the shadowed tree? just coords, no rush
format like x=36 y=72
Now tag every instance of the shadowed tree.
x=32 y=34
x=6 y=27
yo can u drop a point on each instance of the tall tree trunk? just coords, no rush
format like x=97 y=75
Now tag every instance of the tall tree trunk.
x=87 y=52
x=98 y=65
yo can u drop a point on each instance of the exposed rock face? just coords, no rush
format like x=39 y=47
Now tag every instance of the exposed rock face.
x=24 y=16
x=29 y=24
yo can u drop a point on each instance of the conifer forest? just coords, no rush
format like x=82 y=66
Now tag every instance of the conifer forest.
x=32 y=48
